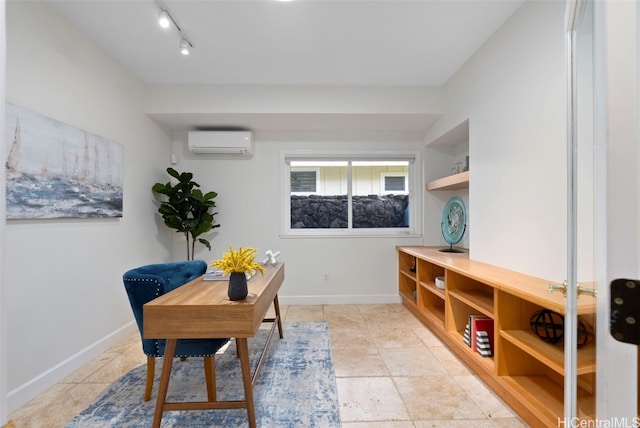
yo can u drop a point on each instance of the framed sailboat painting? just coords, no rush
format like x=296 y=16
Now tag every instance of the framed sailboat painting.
x=54 y=170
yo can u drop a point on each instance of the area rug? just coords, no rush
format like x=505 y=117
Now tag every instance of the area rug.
x=296 y=387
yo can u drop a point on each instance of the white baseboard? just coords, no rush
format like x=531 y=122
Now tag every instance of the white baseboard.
x=31 y=389
x=340 y=300
x=36 y=386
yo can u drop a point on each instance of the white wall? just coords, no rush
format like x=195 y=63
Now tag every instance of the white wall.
x=361 y=270
x=513 y=93
x=62 y=278
x=165 y=99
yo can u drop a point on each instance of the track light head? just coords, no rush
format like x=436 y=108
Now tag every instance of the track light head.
x=185 y=45
x=164 y=19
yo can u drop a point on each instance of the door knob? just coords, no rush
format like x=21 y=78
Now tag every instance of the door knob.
x=589 y=291
x=558 y=287
x=563 y=287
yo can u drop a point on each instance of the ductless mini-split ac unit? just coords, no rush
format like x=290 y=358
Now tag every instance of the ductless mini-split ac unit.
x=239 y=143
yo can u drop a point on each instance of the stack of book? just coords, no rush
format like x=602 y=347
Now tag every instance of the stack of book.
x=214 y=275
x=218 y=275
x=478 y=334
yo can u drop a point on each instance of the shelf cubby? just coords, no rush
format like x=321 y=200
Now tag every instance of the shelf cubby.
x=431 y=288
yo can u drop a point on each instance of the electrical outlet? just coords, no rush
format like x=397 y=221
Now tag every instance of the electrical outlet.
x=326 y=277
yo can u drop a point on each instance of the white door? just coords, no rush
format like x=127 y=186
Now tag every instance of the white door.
x=603 y=232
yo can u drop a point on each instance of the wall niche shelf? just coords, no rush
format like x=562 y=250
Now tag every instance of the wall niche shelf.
x=452 y=182
x=450 y=146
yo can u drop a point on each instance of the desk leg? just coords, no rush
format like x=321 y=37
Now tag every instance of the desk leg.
x=243 y=352
x=276 y=306
x=169 y=352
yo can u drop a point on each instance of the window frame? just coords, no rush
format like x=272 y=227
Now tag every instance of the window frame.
x=413 y=191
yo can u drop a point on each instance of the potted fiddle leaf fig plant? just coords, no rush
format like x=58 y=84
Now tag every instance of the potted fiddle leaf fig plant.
x=187 y=209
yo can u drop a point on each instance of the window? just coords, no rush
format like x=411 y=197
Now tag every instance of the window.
x=304 y=181
x=332 y=193
x=393 y=182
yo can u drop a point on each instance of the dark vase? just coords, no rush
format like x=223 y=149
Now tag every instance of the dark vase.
x=237 y=286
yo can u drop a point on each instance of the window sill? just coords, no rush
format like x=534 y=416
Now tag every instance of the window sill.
x=324 y=235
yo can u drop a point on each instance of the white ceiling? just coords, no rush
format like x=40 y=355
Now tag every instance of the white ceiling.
x=302 y=42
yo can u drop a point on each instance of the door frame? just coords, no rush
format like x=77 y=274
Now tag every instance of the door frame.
x=4 y=412
x=617 y=234
x=616 y=98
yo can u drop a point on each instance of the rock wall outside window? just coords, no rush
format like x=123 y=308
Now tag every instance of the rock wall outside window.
x=330 y=212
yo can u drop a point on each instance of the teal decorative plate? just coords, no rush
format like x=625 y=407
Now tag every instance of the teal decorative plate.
x=454 y=220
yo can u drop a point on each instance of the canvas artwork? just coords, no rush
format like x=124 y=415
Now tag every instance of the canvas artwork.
x=57 y=171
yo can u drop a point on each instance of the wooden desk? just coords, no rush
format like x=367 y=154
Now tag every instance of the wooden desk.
x=200 y=310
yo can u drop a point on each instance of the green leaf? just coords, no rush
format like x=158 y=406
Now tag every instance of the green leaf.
x=160 y=188
x=172 y=172
x=210 y=195
x=185 y=178
x=205 y=243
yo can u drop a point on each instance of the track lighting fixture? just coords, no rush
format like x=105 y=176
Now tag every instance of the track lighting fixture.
x=184 y=46
x=166 y=19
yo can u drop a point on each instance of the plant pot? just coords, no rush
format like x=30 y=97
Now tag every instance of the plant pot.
x=237 y=286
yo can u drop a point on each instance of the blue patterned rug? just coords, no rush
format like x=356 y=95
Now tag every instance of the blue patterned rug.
x=296 y=387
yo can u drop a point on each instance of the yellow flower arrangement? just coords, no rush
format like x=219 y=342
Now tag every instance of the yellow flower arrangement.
x=240 y=260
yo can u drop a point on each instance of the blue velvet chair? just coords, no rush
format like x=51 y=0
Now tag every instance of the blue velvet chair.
x=144 y=284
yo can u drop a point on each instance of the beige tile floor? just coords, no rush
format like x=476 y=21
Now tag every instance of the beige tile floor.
x=391 y=372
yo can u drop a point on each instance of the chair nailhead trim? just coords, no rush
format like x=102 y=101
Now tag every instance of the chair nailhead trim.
x=187 y=356
x=147 y=280
x=157 y=295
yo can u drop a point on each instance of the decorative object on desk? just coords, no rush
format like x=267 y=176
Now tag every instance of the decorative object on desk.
x=547 y=325
x=54 y=170
x=454 y=223
x=440 y=282
x=214 y=275
x=298 y=370
x=272 y=258
x=238 y=289
x=455 y=169
x=186 y=209
x=236 y=263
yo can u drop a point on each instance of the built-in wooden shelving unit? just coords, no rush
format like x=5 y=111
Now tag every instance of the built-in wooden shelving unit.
x=525 y=371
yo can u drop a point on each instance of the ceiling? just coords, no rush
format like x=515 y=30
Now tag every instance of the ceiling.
x=302 y=42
